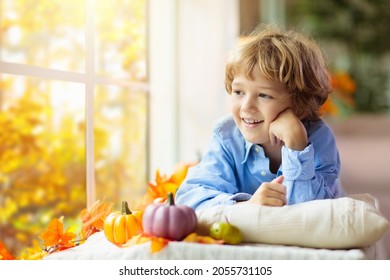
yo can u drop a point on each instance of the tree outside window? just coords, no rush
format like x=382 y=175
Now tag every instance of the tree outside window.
x=48 y=79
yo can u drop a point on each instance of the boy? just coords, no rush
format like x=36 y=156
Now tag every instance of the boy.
x=273 y=149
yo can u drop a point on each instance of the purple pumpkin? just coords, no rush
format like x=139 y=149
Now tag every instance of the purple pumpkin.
x=168 y=220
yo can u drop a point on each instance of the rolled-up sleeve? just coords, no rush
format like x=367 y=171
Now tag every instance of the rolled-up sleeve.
x=312 y=173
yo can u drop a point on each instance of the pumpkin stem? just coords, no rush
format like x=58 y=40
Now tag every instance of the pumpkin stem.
x=171 y=200
x=125 y=208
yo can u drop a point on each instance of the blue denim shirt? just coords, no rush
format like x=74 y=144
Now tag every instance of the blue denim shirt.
x=233 y=169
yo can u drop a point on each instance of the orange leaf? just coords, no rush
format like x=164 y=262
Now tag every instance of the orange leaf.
x=162 y=184
x=55 y=235
x=180 y=172
x=160 y=178
x=194 y=238
x=4 y=253
x=158 y=244
x=93 y=218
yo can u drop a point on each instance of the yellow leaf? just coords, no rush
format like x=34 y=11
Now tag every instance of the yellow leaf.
x=93 y=218
x=34 y=253
x=135 y=240
x=194 y=238
x=180 y=172
x=158 y=244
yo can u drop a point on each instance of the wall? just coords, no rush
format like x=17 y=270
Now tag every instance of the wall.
x=189 y=43
x=364 y=145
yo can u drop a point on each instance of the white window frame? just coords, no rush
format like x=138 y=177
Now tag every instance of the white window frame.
x=90 y=79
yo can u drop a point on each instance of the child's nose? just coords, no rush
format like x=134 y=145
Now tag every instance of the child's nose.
x=248 y=104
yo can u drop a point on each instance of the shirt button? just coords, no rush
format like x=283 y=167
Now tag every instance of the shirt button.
x=257 y=149
x=263 y=172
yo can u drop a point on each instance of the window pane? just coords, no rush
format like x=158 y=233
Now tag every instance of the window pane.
x=120 y=144
x=46 y=33
x=120 y=39
x=42 y=155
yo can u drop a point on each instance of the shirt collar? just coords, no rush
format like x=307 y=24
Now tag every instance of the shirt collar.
x=248 y=147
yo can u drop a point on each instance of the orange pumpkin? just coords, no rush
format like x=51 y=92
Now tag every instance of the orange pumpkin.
x=121 y=226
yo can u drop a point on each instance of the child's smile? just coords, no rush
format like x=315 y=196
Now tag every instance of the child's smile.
x=251 y=122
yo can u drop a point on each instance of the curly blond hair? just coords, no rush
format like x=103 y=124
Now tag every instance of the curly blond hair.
x=290 y=58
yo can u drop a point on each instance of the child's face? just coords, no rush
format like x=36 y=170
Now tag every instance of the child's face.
x=256 y=103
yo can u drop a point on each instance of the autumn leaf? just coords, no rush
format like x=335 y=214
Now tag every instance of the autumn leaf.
x=195 y=238
x=34 y=253
x=93 y=219
x=136 y=240
x=55 y=235
x=4 y=253
x=156 y=243
x=180 y=172
x=164 y=184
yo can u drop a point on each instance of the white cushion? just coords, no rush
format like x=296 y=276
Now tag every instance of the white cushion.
x=342 y=223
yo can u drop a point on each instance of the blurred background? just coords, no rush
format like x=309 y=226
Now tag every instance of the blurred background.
x=97 y=95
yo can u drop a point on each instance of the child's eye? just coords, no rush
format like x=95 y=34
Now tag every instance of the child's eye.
x=265 y=96
x=238 y=92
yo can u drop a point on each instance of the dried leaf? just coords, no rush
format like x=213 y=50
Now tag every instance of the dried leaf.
x=93 y=218
x=34 y=253
x=135 y=240
x=163 y=184
x=158 y=244
x=194 y=238
x=4 y=253
x=180 y=172
x=55 y=235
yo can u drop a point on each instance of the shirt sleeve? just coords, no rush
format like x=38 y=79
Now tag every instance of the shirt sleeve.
x=312 y=173
x=212 y=181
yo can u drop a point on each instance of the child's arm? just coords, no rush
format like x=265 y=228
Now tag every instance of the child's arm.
x=310 y=173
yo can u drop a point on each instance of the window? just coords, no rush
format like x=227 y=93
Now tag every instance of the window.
x=73 y=110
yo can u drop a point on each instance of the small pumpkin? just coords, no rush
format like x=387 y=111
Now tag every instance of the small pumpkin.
x=168 y=220
x=121 y=226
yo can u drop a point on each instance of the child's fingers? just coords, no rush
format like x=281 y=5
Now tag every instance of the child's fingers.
x=273 y=194
x=278 y=180
x=276 y=186
x=272 y=201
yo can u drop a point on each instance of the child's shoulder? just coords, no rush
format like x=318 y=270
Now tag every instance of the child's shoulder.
x=226 y=128
x=318 y=127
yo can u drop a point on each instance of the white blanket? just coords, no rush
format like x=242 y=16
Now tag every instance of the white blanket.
x=97 y=247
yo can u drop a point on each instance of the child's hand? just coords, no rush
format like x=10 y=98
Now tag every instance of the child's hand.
x=271 y=194
x=288 y=128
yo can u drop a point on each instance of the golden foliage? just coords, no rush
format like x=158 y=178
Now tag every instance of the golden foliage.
x=93 y=219
x=56 y=239
x=42 y=174
x=163 y=184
